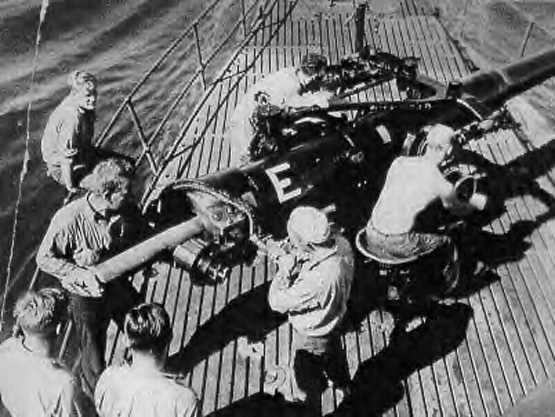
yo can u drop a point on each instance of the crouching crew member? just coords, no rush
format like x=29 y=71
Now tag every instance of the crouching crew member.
x=284 y=88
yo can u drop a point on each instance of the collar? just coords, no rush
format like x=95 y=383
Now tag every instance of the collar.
x=92 y=212
x=320 y=255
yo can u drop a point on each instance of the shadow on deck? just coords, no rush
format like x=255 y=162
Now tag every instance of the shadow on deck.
x=476 y=357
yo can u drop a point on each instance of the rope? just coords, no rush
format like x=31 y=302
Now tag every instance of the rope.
x=25 y=165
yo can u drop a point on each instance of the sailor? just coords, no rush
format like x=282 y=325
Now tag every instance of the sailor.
x=141 y=387
x=81 y=234
x=32 y=381
x=312 y=286
x=284 y=88
x=66 y=144
x=413 y=184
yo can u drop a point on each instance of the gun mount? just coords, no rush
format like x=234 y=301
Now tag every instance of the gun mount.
x=336 y=162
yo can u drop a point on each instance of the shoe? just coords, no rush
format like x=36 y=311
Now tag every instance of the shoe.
x=252 y=350
x=342 y=392
x=274 y=379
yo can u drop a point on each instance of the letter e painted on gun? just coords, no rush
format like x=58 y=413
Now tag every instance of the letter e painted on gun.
x=281 y=184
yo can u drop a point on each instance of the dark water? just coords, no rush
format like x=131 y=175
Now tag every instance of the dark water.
x=118 y=40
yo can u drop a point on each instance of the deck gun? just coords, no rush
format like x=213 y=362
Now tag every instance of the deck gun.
x=209 y=220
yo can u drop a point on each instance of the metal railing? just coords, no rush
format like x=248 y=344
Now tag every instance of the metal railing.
x=252 y=16
x=174 y=151
x=149 y=127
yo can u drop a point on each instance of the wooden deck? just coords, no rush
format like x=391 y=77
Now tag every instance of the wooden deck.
x=460 y=364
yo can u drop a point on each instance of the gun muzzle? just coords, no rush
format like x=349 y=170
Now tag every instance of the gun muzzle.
x=493 y=88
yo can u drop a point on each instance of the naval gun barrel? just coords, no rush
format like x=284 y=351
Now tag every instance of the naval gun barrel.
x=144 y=252
x=271 y=185
x=493 y=88
x=307 y=169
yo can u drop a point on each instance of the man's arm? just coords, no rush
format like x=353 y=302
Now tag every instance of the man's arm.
x=53 y=258
x=53 y=254
x=456 y=205
x=320 y=99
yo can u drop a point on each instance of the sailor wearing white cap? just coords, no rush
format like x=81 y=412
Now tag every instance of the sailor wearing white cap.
x=312 y=289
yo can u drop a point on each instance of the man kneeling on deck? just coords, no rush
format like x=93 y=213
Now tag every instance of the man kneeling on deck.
x=412 y=185
x=284 y=88
x=312 y=286
x=84 y=233
x=141 y=387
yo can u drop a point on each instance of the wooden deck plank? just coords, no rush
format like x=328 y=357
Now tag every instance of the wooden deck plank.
x=513 y=286
x=414 y=29
x=387 y=89
x=444 y=388
x=539 y=212
x=458 y=385
x=509 y=346
x=439 y=61
x=449 y=56
x=508 y=312
x=533 y=292
x=468 y=372
x=519 y=212
x=446 y=49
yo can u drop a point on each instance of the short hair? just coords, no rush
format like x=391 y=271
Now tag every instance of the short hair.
x=312 y=63
x=440 y=137
x=82 y=81
x=148 y=328
x=309 y=224
x=109 y=176
x=40 y=312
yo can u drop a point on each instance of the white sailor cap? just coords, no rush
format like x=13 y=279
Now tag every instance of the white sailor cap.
x=309 y=224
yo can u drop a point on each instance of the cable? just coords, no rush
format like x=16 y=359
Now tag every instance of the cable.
x=25 y=165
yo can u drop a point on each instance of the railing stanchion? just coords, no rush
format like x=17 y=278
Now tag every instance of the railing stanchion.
x=465 y=10
x=525 y=38
x=142 y=138
x=199 y=55
x=245 y=31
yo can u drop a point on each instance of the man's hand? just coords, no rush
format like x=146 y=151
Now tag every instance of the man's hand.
x=274 y=248
x=478 y=201
x=286 y=264
x=86 y=257
x=83 y=282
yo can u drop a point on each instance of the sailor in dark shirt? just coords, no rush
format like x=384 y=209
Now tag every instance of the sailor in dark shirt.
x=82 y=234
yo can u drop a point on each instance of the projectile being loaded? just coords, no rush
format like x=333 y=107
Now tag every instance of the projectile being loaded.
x=320 y=159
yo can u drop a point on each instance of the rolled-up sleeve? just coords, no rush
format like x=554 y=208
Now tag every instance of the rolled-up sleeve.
x=67 y=129
x=53 y=254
